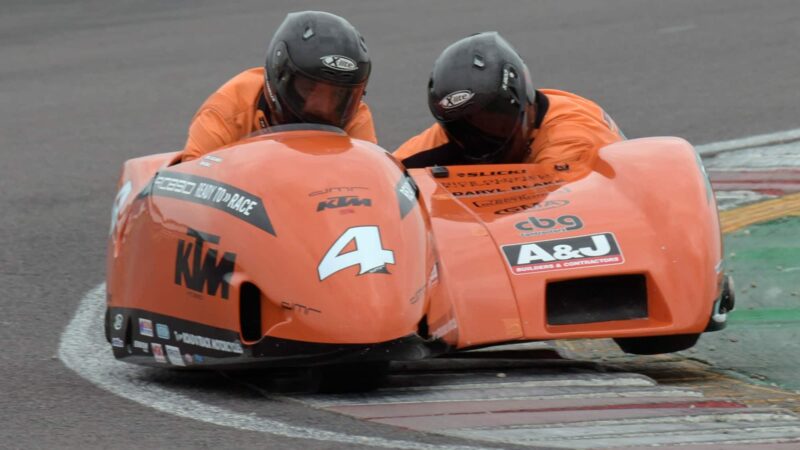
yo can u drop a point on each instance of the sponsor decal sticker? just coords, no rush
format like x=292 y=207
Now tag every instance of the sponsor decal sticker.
x=143 y=346
x=202 y=271
x=174 y=356
x=563 y=254
x=209 y=343
x=118 y=322
x=205 y=191
x=158 y=353
x=337 y=190
x=343 y=201
x=537 y=226
x=198 y=358
x=456 y=99
x=492 y=173
x=117 y=342
x=162 y=331
x=146 y=327
x=338 y=62
x=537 y=206
x=297 y=307
x=187 y=358
x=407 y=193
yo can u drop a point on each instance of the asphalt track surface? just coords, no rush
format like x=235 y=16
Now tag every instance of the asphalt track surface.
x=85 y=85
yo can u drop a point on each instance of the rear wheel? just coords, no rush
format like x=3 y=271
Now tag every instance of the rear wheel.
x=654 y=345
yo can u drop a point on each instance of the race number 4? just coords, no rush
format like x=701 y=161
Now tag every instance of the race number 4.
x=369 y=253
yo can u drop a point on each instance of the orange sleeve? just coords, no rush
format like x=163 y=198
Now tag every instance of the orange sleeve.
x=207 y=132
x=433 y=137
x=576 y=152
x=361 y=126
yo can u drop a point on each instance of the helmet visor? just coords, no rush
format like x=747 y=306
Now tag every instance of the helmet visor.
x=486 y=134
x=317 y=101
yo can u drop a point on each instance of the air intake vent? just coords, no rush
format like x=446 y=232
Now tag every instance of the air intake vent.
x=250 y=312
x=598 y=299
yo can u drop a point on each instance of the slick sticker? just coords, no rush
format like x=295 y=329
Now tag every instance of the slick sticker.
x=561 y=254
x=118 y=322
x=407 y=193
x=537 y=206
x=199 y=268
x=162 y=331
x=456 y=99
x=338 y=62
x=158 y=353
x=146 y=327
x=205 y=191
x=143 y=346
x=117 y=342
x=212 y=344
x=537 y=226
x=492 y=173
x=174 y=356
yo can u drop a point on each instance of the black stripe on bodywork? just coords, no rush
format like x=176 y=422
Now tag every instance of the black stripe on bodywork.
x=212 y=193
x=268 y=352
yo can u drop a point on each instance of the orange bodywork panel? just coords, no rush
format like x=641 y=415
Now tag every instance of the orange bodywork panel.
x=308 y=243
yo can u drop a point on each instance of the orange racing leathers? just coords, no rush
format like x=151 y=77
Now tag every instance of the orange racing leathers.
x=568 y=131
x=239 y=108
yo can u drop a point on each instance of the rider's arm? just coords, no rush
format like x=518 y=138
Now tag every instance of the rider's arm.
x=208 y=132
x=361 y=125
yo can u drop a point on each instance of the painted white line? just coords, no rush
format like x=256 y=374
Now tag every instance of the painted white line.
x=84 y=350
x=647 y=431
x=732 y=199
x=566 y=382
x=325 y=401
x=748 y=142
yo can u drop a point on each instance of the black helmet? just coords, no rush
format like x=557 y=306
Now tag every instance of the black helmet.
x=316 y=70
x=481 y=94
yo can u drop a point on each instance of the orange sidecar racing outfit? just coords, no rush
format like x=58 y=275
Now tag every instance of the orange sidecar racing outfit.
x=239 y=108
x=568 y=129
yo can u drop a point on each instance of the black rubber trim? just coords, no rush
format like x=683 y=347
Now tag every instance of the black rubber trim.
x=268 y=352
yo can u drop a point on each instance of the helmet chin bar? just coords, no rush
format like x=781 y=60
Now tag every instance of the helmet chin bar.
x=514 y=149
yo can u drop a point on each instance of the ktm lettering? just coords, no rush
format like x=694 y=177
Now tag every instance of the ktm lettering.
x=198 y=271
x=343 y=201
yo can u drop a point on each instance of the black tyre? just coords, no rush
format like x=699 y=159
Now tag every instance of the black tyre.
x=655 y=345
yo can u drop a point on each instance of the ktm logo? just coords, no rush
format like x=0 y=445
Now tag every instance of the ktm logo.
x=343 y=201
x=198 y=270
